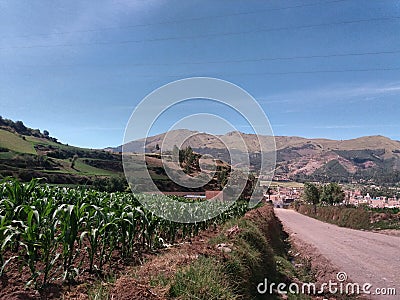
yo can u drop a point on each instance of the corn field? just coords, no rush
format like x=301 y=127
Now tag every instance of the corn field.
x=56 y=233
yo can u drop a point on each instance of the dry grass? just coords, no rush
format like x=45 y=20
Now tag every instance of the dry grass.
x=15 y=143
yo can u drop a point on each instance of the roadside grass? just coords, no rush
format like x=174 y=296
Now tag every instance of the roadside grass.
x=299 y=268
x=204 y=279
x=355 y=218
x=251 y=260
x=15 y=143
x=352 y=217
x=236 y=273
x=387 y=224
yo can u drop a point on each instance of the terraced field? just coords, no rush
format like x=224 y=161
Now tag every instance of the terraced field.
x=16 y=143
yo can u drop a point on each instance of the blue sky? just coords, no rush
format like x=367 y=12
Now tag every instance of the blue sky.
x=318 y=68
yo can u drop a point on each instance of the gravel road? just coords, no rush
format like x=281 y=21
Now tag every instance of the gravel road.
x=366 y=257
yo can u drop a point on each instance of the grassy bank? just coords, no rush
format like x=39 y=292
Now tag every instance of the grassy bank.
x=249 y=250
x=227 y=262
x=354 y=217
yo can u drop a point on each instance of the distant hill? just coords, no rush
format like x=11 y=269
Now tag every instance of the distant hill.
x=26 y=153
x=369 y=158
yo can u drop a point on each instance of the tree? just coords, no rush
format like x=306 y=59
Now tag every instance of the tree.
x=46 y=133
x=186 y=155
x=74 y=158
x=222 y=178
x=20 y=127
x=175 y=153
x=311 y=194
x=332 y=193
x=188 y=160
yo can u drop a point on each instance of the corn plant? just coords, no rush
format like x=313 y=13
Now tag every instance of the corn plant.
x=108 y=234
x=39 y=239
x=6 y=238
x=48 y=237
x=29 y=232
x=52 y=230
x=72 y=217
x=128 y=223
x=91 y=233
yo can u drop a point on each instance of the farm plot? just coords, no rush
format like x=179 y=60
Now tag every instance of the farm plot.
x=56 y=234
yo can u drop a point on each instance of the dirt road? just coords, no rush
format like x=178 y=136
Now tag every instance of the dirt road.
x=366 y=257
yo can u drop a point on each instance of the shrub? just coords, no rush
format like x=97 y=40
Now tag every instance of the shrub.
x=203 y=279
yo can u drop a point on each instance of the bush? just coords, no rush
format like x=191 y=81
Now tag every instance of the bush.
x=110 y=184
x=351 y=217
x=251 y=261
x=203 y=279
x=235 y=274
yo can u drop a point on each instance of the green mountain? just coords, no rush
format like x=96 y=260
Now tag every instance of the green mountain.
x=27 y=153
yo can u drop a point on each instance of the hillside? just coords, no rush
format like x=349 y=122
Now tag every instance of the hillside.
x=370 y=158
x=375 y=158
x=26 y=153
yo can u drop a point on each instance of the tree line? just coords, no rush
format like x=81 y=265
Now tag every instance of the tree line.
x=20 y=128
x=329 y=194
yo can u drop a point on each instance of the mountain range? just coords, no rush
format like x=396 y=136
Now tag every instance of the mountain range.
x=27 y=153
x=369 y=158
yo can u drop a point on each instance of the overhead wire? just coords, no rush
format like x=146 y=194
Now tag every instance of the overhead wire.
x=207 y=35
x=175 y=21
x=226 y=61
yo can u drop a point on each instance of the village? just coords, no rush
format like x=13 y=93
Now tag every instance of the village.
x=356 y=198
x=282 y=195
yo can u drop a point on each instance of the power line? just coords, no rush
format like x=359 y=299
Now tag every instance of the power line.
x=228 y=61
x=289 y=72
x=279 y=73
x=263 y=73
x=207 y=35
x=176 y=21
x=296 y=57
x=319 y=71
